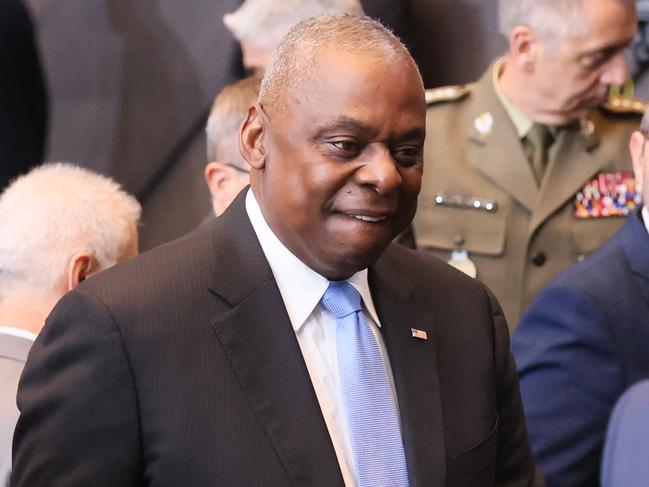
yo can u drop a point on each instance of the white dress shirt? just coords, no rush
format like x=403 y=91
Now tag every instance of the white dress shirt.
x=15 y=344
x=645 y=217
x=302 y=289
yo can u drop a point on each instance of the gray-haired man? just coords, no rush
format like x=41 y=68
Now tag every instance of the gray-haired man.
x=526 y=149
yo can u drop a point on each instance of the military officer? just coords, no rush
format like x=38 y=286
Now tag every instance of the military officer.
x=527 y=169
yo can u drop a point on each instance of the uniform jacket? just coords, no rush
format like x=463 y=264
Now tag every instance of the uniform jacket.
x=531 y=233
x=581 y=343
x=181 y=368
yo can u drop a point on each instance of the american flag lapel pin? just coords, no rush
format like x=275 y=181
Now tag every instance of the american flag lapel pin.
x=419 y=334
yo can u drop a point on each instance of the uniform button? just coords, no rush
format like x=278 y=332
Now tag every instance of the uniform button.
x=538 y=258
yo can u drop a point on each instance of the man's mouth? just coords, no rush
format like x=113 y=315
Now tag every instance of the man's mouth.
x=367 y=218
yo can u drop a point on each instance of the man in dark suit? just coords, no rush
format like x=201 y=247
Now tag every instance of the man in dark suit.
x=217 y=359
x=584 y=341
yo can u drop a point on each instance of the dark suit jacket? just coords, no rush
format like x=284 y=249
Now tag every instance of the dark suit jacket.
x=181 y=368
x=579 y=346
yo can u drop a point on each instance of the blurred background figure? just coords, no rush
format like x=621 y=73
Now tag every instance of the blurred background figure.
x=584 y=341
x=226 y=172
x=624 y=462
x=527 y=144
x=23 y=97
x=260 y=24
x=59 y=224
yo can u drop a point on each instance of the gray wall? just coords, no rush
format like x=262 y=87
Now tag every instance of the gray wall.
x=131 y=81
x=454 y=40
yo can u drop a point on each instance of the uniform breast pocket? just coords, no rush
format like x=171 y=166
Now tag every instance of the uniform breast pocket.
x=477 y=465
x=591 y=234
x=477 y=231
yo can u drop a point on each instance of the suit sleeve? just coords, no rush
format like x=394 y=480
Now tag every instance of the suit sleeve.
x=570 y=377
x=515 y=465
x=79 y=422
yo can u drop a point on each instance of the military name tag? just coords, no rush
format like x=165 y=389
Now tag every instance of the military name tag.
x=465 y=202
x=608 y=195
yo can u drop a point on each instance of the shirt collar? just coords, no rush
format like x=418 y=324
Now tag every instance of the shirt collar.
x=300 y=286
x=17 y=332
x=522 y=123
x=645 y=217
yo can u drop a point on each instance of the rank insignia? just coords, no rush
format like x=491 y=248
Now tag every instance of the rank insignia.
x=609 y=194
x=483 y=124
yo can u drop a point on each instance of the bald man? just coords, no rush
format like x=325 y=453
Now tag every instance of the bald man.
x=288 y=342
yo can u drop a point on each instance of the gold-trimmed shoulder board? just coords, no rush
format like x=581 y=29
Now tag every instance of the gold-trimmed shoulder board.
x=446 y=94
x=622 y=104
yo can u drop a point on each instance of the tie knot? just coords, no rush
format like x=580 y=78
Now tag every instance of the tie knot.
x=540 y=136
x=341 y=299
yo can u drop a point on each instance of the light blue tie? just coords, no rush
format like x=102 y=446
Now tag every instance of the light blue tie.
x=371 y=412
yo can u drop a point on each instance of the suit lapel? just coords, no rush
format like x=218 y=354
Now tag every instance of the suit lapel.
x=261 y=345
x=635 y=241
x=571 y=165
x=414 y=366
x=498 y=153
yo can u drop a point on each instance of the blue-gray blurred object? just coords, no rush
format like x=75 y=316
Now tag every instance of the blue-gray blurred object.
x=641 y=42
x=624 y=463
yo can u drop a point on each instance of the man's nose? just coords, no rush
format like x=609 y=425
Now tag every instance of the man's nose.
x=380 y=171
x=615 y=71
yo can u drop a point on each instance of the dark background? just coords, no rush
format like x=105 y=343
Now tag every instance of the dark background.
x=130 y=83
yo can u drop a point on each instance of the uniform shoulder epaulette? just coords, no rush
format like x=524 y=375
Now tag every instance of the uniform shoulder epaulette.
x=446 y=94
x=625 y=104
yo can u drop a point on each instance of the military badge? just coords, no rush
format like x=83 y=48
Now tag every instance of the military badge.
x=608 y=195
x=483 y=124
x=587 y=127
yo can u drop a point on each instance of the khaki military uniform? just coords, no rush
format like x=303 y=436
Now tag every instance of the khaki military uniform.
x=479 y=193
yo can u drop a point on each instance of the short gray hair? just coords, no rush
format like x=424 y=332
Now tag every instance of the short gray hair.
x=267 y=21
x=56 y=210
x=229 y=110
x=551 y=19
x=297 y=53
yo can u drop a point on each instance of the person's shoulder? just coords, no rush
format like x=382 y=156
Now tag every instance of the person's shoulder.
x=616 y=107
x=448 y=102
x=171 y=265
x=618 y=117
x=427 y=271
x=595 y=274
x=446 y=95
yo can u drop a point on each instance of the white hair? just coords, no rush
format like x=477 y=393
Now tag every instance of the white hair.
x=267 y=21
x=55 y=211
x=551 y=19
x=228 y=112
x=297 y=53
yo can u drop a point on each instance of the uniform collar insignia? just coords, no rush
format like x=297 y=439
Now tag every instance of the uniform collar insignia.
x=484 y=124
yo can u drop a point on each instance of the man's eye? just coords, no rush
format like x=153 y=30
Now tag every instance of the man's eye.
x=408 y=156
x=346 y=146
x=593 y=61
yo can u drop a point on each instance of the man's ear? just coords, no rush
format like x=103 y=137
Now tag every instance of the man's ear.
x=216 y=177
x=525 y=47
x=252 y=138
x=80 y=267
x=636 y=146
